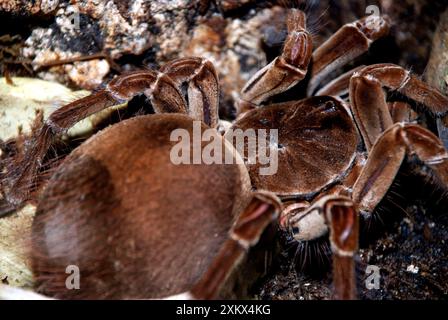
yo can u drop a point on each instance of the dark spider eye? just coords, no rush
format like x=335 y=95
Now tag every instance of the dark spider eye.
x=295 y=230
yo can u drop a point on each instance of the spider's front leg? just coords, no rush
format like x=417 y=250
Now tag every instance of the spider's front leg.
x=336 y=215
x=368 y=99
x=286 y=70
x=348 y=43
x=401 y=141
x=390 y=144
x=343 y=222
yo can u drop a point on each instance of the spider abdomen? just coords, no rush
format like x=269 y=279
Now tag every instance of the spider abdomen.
x=135 y=224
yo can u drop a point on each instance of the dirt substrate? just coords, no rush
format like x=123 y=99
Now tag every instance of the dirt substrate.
x=412 y=258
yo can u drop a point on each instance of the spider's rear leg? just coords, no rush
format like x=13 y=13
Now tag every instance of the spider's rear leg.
x=399 y=142
x=348 y=43
x=339 y=86
x=368 y=99
x=203 y=87
x=286 y=70
x=162 y=91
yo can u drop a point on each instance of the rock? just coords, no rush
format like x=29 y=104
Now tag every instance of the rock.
x=88 y=74
x=25 y=7
x=90 y=27
x=20 y=101
x=15 y=234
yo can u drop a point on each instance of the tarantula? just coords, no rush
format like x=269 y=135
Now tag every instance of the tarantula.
x=332 y=149
x=118 y=208
x=336 y=159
